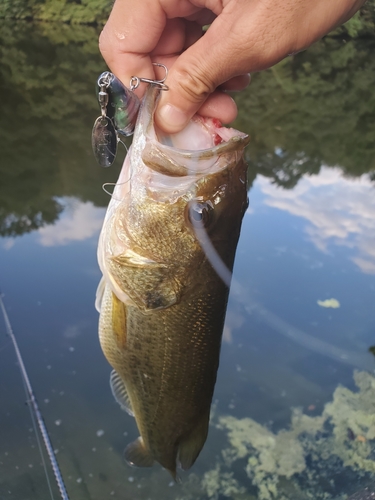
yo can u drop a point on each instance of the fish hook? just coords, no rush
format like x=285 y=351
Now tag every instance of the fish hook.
x=136 y=80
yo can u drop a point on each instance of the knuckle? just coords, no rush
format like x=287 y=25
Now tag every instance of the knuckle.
x=195 y=86
x=103 y=41
x=109 y=41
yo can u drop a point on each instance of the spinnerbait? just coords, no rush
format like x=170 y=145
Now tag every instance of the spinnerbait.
x=119 y=109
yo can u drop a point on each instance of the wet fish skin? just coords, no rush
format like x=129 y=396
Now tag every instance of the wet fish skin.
x=162 y=304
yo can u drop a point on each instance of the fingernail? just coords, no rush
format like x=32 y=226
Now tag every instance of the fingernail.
x=172 y=117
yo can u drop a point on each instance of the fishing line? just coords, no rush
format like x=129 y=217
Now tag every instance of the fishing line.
x=113 y=184
x=38 y=441
x=123 y=143
x=34 y=406
x=108 y=184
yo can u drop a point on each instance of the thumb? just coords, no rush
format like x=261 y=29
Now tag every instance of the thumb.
x=194 y=76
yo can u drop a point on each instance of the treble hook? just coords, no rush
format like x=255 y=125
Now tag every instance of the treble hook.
x=136 y=80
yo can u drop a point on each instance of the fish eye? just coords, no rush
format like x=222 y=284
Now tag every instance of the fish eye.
x=200 y=213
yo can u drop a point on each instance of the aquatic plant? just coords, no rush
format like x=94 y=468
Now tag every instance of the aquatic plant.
x=306 y=460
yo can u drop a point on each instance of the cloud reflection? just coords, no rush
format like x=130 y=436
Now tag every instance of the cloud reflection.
x=339 y=210
x=78 y=222
x=8 y=243
x=74 y=331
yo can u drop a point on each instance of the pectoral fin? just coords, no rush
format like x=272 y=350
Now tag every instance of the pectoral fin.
x=134 y=260
x=137 y=455
x=119 y=321
x=149 y=285
x=120 y=393
x=192 y=443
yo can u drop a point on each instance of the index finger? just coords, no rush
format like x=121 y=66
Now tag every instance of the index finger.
x=137 y=31
x=132 y=31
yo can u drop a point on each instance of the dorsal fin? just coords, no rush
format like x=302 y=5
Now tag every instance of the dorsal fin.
x=136 y=454
x=120 y=393
x=192 y=443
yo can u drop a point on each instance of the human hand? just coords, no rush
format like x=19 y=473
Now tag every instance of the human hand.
x=244 y=36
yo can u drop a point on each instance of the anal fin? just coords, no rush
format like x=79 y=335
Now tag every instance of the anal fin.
x=191 y=444
x=120 y=393
x=137 y=455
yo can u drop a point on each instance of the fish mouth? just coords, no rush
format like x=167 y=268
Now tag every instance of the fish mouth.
x=203 y=147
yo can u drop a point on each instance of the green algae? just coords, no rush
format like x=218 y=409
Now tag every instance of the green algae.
x=302 y=462
x=333 y=303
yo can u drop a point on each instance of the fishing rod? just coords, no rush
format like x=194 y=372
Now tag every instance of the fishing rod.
x=35 y=408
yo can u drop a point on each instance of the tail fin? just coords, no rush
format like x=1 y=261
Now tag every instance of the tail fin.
x=192 y=443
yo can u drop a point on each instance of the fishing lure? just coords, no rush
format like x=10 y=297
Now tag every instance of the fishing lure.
x=119 y=109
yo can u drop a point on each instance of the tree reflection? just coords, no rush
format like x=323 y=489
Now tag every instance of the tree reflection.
x=13 y=223
x=315 y=108
x=48 y=75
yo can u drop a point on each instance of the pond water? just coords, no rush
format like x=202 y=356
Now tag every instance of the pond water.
x=293 y=415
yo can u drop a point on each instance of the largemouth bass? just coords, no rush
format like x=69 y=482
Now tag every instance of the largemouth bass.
x=162 y=305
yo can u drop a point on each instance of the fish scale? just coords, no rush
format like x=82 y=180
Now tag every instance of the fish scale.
x=162 y=304
x=174 y=365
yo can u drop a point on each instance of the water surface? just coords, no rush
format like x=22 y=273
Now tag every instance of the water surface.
x=293 y=414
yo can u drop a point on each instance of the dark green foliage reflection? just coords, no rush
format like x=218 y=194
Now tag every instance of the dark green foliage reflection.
x=72 y=11
x=315 y=108
x=48 y=75
x=97 y=11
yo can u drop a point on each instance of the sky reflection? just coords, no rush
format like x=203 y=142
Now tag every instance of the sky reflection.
x=339 y=211
x=78 y=222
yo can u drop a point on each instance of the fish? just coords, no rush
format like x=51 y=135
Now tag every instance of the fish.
x=162 y=305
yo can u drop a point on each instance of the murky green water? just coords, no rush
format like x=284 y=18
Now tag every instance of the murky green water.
x=294 y=405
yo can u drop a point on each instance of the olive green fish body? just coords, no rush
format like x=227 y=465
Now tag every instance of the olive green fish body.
x=162 y=304
x=168 y=361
